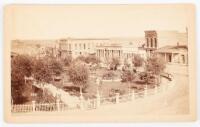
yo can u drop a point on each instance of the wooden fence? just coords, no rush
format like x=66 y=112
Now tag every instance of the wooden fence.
x=90 y=103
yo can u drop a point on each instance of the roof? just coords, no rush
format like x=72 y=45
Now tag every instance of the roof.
x=172 y=49
x=113 y=45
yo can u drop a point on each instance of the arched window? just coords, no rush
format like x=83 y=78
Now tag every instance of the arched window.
x=155 y=40
x=147 y=42
x=151 y=42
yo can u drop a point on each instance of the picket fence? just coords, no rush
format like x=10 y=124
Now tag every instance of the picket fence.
x=89 y=103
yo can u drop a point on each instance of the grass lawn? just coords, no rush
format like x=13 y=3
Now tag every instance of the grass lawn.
x=106 y=89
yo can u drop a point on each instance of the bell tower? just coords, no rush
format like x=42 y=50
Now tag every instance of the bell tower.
x=151 y=43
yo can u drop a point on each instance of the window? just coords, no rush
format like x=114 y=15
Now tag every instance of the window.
x=151 y=42
x=79 y=46
x=155 y=40
x=69 y=46
x=147 y=42
x=84 y=46
x=75 y=46
x=183 y=59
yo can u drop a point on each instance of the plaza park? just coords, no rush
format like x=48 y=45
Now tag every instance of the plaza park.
x=83 y=77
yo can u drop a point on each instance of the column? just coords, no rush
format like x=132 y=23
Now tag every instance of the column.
x=97 y=53
x=186 y=59
x=112 y=53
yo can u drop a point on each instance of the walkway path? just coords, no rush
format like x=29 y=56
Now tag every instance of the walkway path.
x=64 y=96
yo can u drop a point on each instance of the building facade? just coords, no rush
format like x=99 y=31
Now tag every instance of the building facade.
x=80 y=46
x=157 y=39
x=122 y=51
x=176 y=58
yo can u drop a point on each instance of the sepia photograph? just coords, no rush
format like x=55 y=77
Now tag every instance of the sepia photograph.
x=99 y=63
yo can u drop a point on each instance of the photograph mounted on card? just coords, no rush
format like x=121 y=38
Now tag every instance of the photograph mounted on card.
x=99 y=63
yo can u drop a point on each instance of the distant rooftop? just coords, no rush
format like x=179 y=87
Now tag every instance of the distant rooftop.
x=172 y=49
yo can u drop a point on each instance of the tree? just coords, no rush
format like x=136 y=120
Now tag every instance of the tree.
x=20 y=67
x=137 y=60
x=155 y=65
x=67 y=61
x=108 y=75
x=80 y=58
x=127 y=76
x=41 y=71
x=55 y=67
x=114 y=63
x=92 y=59
x=79 y=74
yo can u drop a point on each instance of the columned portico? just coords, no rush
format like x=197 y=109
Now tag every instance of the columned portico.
x=109 y=52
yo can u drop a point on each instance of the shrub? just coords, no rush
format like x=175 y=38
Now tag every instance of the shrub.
x=127 y=76
x=108 y=75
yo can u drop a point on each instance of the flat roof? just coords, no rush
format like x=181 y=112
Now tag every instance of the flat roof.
x=172 y=49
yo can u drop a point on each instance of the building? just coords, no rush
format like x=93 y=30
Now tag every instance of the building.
x=80 y=46
x=37 y=48
x=176 y=58
x=174 y=54
x=106 y=52
x=157 y=39
x=124 y=49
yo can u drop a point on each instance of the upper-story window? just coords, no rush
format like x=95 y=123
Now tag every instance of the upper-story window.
x=69 y=46
x=84 y=46
x=147 y=42
x=79 y=46
x=75 y=46
x=155 y=40
x=151 y=42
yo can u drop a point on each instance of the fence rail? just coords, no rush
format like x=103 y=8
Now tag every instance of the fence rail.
x=90 y=103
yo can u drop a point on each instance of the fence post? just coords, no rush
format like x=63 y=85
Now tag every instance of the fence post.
x=33 y=103
x=81 y=102
x=98 y=100
x=156 y=89
x=58 y=104
x=133 y=95
x=145 y=91
x=117 y=98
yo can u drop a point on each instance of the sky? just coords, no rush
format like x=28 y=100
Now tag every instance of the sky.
x=95 y=21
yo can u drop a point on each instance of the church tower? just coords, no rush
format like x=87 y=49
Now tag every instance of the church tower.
x=151 y=43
